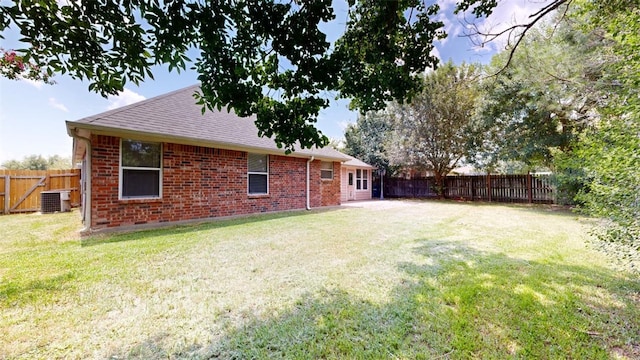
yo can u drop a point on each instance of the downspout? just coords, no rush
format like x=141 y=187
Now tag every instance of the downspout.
x=308 y=187
x=86 y=206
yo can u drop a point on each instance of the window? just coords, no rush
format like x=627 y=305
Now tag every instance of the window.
x=140 y=169
x=365 y=179
x=258 y=174
x=350 y=179
x=362 y=179
x=326 y=170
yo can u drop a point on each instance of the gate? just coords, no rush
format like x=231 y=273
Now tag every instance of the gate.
x=20 y=189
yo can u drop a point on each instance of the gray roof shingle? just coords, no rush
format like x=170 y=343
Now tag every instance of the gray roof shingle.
x=176 y=117
x=354 y=162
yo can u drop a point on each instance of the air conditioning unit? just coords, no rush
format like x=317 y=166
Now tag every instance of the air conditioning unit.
x=54 y=201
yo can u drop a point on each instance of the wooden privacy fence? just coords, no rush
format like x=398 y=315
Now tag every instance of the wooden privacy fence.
x=499 y=188
x=20 y=189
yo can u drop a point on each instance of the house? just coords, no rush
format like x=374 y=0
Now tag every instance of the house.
x=356 y=180
x=161 y=161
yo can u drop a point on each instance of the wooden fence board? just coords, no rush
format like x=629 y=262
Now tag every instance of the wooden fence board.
x=20 y=189
x=499 y=188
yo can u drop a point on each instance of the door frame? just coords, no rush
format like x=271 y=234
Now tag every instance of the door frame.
x=351 y=185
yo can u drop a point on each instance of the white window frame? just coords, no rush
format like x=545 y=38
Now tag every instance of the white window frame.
x=122 y=168
x=362 y=179
x=330 y=168
x=365 y=179
x=257 y=173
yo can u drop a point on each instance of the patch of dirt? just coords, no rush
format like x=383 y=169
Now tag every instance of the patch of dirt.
x=631 y=351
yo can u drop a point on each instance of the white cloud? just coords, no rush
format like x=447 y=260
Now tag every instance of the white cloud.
x=343 y=124
x=67 y=2
x=36 y=84
x=506 y=14
x=124 y=98
x=449 y=27
x=453 y=23
x=57 y=105
x=446 y=5
x=435 y=52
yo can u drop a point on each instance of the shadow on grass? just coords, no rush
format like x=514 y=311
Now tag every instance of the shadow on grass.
x=28 y=292
x=195 y=226
x=208 y=224
x=458 y=303
x=522 y=206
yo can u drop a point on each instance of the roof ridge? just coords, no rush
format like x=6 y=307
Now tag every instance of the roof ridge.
x=134 y=105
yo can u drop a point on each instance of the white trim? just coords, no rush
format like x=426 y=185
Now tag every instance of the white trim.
x=351 y=188
x=331 y=169
x=121 y=168
x=361 y=180
x=257 y=173
x=85 y=176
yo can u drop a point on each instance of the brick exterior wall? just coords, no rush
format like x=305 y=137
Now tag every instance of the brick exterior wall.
x=329 y=189
x=201 y=183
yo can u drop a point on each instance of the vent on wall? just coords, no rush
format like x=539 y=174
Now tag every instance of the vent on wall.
x=53 y=201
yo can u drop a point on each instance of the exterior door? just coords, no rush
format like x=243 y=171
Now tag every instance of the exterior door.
x=351 y=189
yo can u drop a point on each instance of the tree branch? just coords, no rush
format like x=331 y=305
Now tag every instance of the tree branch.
x=535 y=18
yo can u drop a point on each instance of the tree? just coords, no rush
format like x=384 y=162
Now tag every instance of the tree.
x=432 y=132
x=31 y=162
x=38 y=162
x=540 y=104
x=535 y=110
x=14 y=66
x=267 y=58
x=515 y=34
x=611 y=161
x=57 y=162
x=608 y=152
x=366 y=139
x=570 y=100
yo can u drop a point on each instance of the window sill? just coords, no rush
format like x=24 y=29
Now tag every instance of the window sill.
x=258 y=196
x=145 y=200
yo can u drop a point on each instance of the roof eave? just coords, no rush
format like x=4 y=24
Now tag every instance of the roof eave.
x=365 y=166
x=79 y=147
x=151 y=136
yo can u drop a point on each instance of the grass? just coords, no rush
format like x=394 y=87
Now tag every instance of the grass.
x=402 y=279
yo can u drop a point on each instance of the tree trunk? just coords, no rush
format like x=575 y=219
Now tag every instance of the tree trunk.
x=439 y=184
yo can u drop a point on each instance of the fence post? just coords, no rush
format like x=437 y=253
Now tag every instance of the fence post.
x=529 y=188
x=473 y=190
x=7 y=191
x=489 y=186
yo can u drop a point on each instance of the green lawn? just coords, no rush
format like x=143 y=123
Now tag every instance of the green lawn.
x=403 y=279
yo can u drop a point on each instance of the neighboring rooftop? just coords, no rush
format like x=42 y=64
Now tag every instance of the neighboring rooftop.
x=175 y=117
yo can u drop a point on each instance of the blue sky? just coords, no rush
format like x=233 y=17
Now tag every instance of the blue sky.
x=33 y=115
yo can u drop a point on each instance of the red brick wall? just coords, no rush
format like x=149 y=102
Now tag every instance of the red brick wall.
x=329 y=189
x=199 y=183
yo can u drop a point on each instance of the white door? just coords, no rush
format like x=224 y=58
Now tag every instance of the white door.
x=351 y=188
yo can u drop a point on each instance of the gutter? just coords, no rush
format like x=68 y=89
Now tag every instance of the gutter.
x=179 y=139
x=308 y=187
x=86 y=176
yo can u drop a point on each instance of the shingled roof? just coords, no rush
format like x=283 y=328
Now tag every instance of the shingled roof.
x=357 y=163
x=175 y=117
